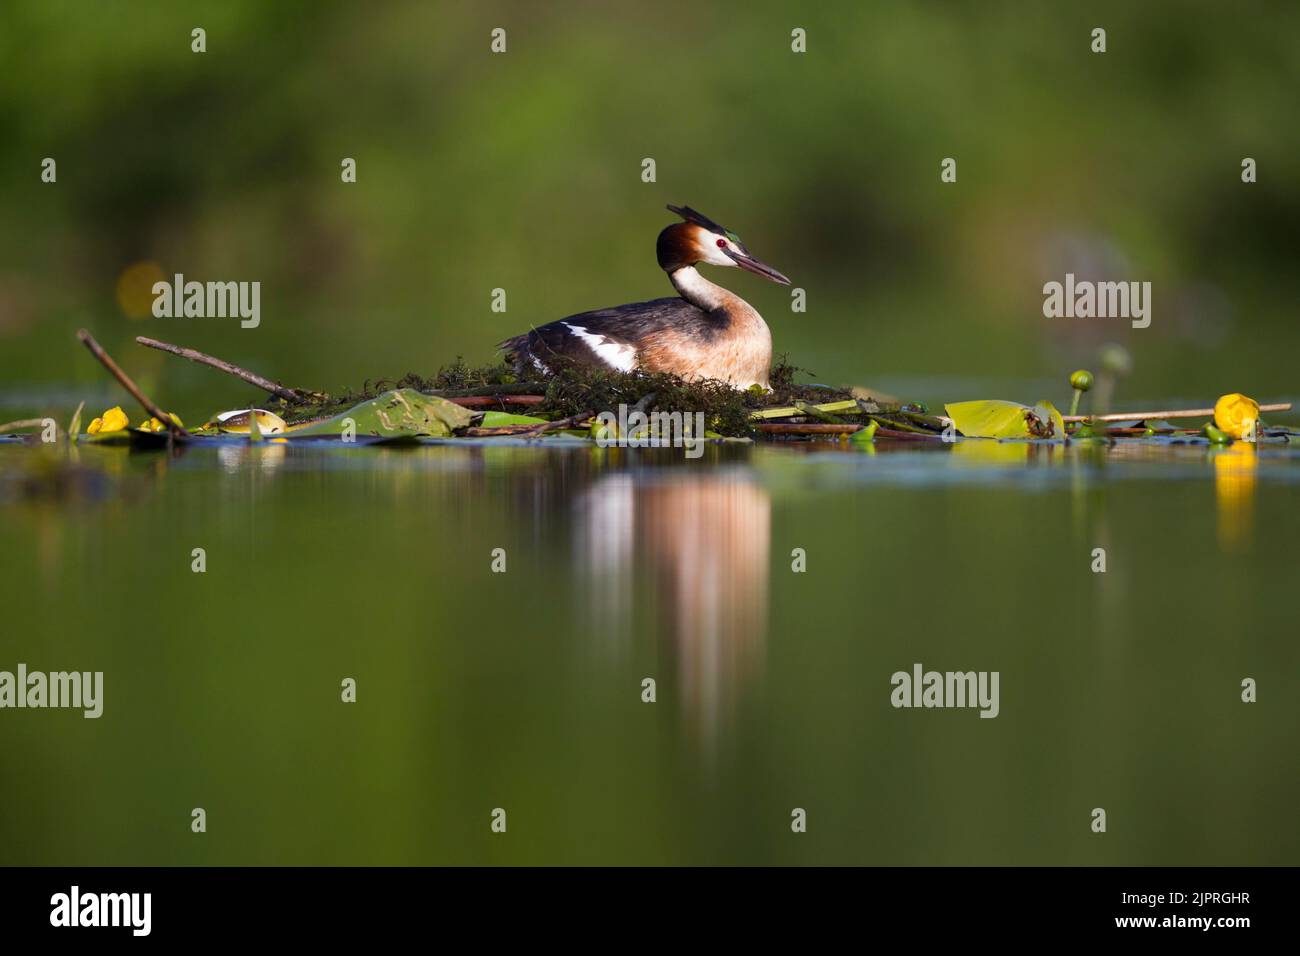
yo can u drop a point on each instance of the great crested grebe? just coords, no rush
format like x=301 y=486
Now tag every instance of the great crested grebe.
x=705 y=332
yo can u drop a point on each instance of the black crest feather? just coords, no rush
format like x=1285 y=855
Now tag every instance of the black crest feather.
x=690 y=215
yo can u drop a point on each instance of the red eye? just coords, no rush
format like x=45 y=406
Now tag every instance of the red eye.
x=722 y=243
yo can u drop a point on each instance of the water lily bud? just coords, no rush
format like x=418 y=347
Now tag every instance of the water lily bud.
x=1081 y=380
x=1215 y=435
x=1115 y=359
x=154 y=425
x=1236 y=415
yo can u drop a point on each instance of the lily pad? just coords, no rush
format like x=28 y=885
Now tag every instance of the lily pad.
x=1000 y=419
x=401 y=413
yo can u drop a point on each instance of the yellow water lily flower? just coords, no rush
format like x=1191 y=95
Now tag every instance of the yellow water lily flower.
x=153 y=425
x=113 y=420
x=1237 y=415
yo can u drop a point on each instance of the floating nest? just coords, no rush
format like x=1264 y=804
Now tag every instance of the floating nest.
x=573 y=389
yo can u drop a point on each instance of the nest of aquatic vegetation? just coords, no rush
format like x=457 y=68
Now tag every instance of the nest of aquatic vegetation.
x=576 y=389
x=573 y=389
x=575 y=393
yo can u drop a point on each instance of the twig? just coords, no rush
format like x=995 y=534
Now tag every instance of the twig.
x=1174 y=413
x=557 y=424
x=811 y=428
x=521 y=388
x=932 y=422
x=496 y=431
x=907 y=436
x=814 y=412
x=97 y=350
x=489 y=401
x=252 y=378
x=24 y=423
x=898 y=426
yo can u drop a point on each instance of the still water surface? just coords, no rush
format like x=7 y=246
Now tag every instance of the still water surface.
x=523 y=690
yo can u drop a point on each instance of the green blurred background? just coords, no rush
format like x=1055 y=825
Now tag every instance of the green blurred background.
x=522 y=171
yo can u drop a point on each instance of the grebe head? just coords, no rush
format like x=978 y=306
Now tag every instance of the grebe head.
x=700 y=239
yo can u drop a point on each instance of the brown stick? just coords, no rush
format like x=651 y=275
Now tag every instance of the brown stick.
x=1173 y=413
x=97 y=350
x=252 y=378
x=907 y=436
x=491 y=401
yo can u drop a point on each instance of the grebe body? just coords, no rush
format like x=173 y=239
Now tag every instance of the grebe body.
x=705 y=331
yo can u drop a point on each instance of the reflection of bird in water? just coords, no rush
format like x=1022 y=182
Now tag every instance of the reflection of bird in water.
x=697 y=550
x=705 y=331
x=267 y=457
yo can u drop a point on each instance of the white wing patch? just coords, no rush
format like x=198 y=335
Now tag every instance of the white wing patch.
x=617 y=355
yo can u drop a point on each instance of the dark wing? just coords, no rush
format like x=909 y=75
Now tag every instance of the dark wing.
x=612 y=338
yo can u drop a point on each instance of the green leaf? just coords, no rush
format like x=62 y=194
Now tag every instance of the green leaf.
x=865 y=436
x=74 y=426
x=496 y=419
x=999 y=419
x=402 y=413
x=1089 y=429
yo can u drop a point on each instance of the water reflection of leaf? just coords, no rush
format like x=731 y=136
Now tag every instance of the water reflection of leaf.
x=985 y=451
x=135 y=437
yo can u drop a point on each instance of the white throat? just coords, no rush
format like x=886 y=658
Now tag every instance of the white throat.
x=696 y=289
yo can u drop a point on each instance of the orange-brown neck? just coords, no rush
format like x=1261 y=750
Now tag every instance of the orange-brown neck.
x=678 y=245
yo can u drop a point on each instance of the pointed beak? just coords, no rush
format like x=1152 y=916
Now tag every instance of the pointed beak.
x=750 y=264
